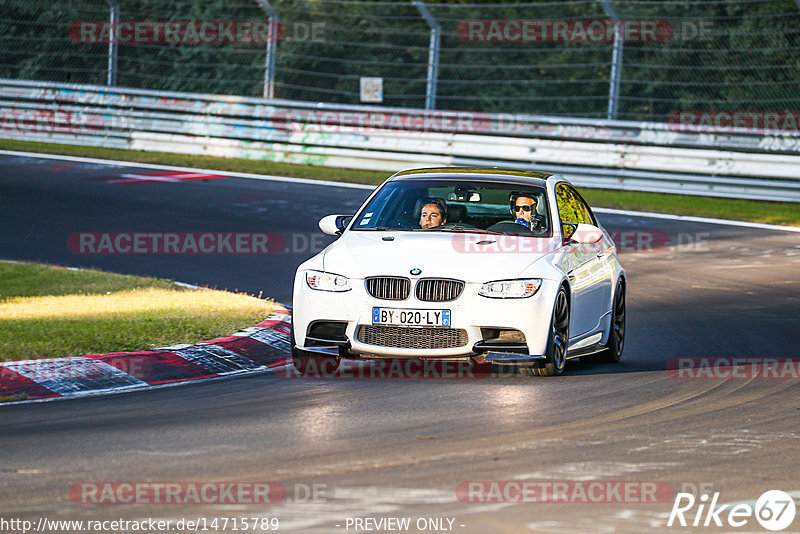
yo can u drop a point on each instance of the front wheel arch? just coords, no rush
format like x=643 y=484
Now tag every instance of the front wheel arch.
x=617 y=329
x=568 y=289
x=558 y=334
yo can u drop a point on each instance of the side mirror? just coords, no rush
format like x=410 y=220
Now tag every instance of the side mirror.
x=567 y=231
x=334 y=224
x=583 y=234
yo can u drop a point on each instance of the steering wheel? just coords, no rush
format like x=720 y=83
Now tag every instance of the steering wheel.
x=455 y=225
x=540 y=223
x=511 y=227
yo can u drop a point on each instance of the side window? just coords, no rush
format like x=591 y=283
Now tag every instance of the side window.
x=586 y=212
x=569 y=210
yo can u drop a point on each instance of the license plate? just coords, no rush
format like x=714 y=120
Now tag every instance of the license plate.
x=395 y=316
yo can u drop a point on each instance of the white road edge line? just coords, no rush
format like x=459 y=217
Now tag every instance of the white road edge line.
x=185 y=169
x=687 y=218
x=188 y=286
x=705 y=220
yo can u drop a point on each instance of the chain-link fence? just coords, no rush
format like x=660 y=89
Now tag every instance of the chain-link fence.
x=568 y=58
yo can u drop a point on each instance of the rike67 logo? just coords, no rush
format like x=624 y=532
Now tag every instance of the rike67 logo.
x=774 y=510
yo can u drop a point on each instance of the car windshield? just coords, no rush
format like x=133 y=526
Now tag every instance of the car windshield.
x=457 y=206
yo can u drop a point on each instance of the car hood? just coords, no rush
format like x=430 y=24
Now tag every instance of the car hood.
x=469 y=257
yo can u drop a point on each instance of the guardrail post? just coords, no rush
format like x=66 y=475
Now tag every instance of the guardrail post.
x=272 y=41
x=616 y=60
x=113 y=44
x=433 y=54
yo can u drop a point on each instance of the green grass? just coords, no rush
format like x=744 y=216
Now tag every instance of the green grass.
x=204 y=162
x=48 y=312
x=21 y=279
x=13 y=398
x=785 y=213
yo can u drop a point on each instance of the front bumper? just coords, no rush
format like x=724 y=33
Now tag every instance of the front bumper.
x=470 y=312
x=496 y=354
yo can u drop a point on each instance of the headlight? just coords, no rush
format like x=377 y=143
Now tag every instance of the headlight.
x=511 y=289
x=327 y=281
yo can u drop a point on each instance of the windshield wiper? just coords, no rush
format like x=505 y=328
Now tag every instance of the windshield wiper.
x=466 y=230
x=452 y=229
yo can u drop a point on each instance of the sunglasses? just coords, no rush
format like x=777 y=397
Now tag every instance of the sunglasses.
x=523 y=208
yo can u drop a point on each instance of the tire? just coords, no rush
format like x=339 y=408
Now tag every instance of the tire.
x=616 y=337
x=312 y=366
x=557 y=341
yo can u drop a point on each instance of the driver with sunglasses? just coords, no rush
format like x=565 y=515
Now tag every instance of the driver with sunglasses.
x=523 y=208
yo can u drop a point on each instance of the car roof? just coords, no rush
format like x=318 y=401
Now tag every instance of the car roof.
x=476 y=174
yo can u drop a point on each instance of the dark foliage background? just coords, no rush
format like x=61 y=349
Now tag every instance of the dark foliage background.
x=744 y=55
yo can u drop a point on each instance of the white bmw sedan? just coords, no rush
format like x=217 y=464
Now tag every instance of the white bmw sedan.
x=486 y=265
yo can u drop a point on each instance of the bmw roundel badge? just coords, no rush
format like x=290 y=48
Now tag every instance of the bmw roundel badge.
x=416 y=271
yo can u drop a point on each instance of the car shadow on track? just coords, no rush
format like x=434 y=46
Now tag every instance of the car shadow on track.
x=591 y=365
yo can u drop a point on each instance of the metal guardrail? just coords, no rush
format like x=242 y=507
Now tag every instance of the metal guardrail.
x=594 y=153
